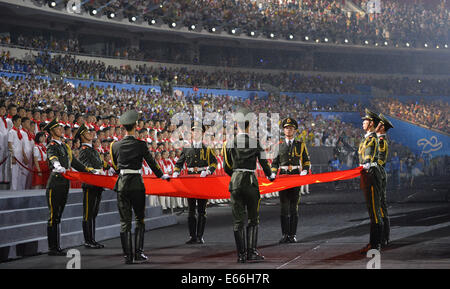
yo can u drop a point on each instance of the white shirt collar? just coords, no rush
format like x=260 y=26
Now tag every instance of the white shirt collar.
x=57 y=141
x=87 y=144
x=367 y=134
x=289 y=140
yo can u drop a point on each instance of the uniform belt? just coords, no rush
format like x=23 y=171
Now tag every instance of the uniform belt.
x=244 y=170
x=372 y=164
x=289 y=168
x=128 y=171
x=197 y=169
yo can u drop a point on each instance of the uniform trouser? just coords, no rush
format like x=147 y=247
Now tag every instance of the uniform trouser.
x=56 y=193
x=92 y=197
x=245 y=199
x=371 y=186
x=384 y=210
x=289 y=200
x=197 y=206
x=127 y=201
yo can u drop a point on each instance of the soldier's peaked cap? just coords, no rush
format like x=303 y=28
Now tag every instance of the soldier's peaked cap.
x=387 y=124
x=289 y=122
x=82 y=129
x=129 y=117
x=370 y=115
x=54 y=123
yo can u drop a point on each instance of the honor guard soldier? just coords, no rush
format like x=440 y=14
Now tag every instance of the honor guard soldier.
x=292 y=159
x=370 y=181
x=240 y=163
x=59 y=156
x=127 y=156
x=92 y=195
x=199 y=159
x=381 y=130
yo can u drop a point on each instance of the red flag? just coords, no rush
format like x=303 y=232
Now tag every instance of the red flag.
x=213 y=187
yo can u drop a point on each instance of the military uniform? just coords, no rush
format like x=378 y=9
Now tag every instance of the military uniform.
x=240 y=163
x=292 y=158
x=370 y=182
x=382 y=159
x=127 y=156
x=60 y=158
x=92 y=195
x=198 y=159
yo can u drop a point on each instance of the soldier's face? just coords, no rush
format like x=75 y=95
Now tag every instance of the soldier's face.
x=366 y=124
x=380 y=128
x=289 y=131
x=57 y=131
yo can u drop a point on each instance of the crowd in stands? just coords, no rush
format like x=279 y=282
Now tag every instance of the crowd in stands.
x=37 y=101
x=399 y=22
x=71 y=67
x=433 y=115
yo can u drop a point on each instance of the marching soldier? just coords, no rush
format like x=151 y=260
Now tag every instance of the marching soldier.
x=92 y=195
x=199 y=159
x=292 y=159
x=59 y=156
x=240 y=163
x=381 y=130
x=126 y=157
x=371 y=178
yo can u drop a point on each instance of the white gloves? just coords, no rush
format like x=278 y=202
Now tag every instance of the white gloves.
x=272 y=177
x=366 y=166
x=175 y=175
x=204 y=173
x=165 y=177
x=58 y=168
x=304 y=172
x=98 y=172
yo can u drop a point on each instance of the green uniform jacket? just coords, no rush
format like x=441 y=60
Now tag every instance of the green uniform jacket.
x=197 y=157
x=382 y=150
x=91 y=158
x=241 y=155
x=368 y=149
x=63 y=154
x=129 y=153
x=297 y=154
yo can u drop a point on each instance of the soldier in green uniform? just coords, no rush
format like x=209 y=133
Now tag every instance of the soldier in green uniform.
x=381 y=130
x=127 y=156
x=60 y=159
x=292 y=159
x=92 y=195
x=199 y=159
x=371 y=178
x=240 y=163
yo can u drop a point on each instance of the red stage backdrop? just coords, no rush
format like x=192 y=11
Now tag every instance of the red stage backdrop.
x=213 y=187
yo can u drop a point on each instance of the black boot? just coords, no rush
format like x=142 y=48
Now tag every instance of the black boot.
x=252 y=241
x=87 y=231
x=96 y=244
x=284 y=229
x=200 y=229
x=192 y=223
x=53 y=235
x=386 y=232
x=139 y=255
x=376 y=231
x=239 y=238
x=293 y=221
x=127 y=247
